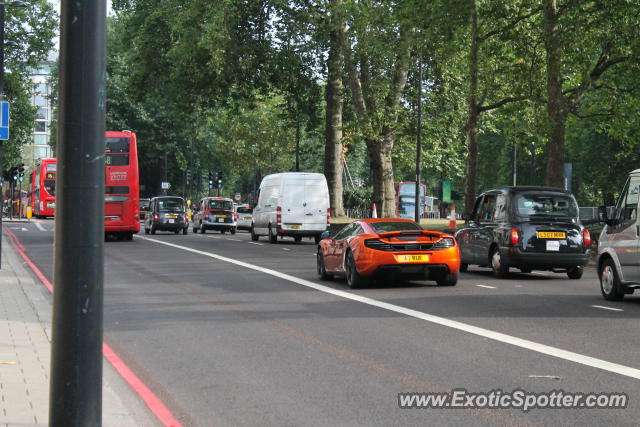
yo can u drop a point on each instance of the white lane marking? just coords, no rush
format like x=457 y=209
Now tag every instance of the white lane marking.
x=286 y=249
x=40 y=227
x=235 y=240
x=486 y=333
x=256 y=243
x=550 y=377
x=214 y=237
x=486 y=286
x=607 y=308
x=24 y=229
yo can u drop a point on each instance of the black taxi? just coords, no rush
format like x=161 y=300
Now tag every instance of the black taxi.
x=528 y=228
x=166 y=213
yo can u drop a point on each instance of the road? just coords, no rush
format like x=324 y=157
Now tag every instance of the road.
x=232 y=332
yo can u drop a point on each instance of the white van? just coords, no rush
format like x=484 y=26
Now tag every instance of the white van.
x=292 y=204
x=619 y=243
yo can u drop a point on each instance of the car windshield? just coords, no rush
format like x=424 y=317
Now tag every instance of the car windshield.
x=144 y=203
x=552 y=205
x=170 y=205
x=245 y=210
x=383 y=227
x=220 y=204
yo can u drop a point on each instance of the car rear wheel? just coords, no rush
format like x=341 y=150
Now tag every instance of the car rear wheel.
x=464 y=267
x=233 y=230
x=146 y=230
x=195 y=230
x=223 y=231
x=176 y=231
x=203 y=229
x=297 y=239
x=322 y=271
x=254 y=236
x=354 y=279
x=500 y=269
x=609 y=282
x=153 y=230
x=272 y=237
x=447 y=279
x=185 y=230
x=575 y=272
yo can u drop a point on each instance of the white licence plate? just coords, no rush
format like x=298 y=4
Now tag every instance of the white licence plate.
x=171 y=221
x=220 y=219
x=553 y=245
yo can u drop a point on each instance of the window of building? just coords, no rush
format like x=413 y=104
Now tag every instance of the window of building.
x=40 y=101
x=43 y=152
x=42 y=114
x=40 y=139
x=41 y=126
x=42 y=89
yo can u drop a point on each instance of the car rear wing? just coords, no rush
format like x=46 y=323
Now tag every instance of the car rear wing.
x=433 y=235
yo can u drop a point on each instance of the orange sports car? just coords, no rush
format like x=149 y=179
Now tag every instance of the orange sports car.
x=388 y=249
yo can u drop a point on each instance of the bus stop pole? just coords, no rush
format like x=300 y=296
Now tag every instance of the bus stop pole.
x=75 y=394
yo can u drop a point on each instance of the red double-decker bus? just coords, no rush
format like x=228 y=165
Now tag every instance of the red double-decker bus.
x=122 y=186
x=42 y=182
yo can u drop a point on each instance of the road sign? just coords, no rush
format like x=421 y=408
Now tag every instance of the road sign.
x=166 y=185
x=4 y=120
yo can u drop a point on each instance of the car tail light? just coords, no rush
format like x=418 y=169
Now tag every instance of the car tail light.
x=586 y=238
x=186 y=218
x=156 y=217
x=378 y=245
x=515 y=237
x=328 y=215
x=279 y=216
x=444 y=243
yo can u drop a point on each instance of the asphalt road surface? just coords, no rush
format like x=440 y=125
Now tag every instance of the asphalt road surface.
x=227 y=331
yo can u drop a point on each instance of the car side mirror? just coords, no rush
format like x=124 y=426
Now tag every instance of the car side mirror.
x=325 y=235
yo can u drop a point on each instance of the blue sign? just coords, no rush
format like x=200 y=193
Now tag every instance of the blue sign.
x=4 y=120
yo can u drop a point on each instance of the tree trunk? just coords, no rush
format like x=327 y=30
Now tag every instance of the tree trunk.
x=472 y=120
x=333 y=127
x=556 y=102
x=383 y=183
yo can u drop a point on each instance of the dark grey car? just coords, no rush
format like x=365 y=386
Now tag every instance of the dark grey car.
x=168 y=213
x=529 y=228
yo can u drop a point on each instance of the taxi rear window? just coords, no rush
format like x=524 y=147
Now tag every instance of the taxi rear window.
x=220 y=204
x=552 y=205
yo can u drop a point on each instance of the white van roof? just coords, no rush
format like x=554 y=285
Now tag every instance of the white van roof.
x=296 y=174
x=637 y=171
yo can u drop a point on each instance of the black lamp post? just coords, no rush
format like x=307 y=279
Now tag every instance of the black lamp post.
x=2 y=18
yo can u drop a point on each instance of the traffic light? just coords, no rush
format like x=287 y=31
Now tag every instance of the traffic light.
x=210 y=180
x=21 y=173
x=188 y=176
x=220 y=175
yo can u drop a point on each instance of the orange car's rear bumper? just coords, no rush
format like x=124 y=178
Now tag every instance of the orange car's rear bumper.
x=369 y=261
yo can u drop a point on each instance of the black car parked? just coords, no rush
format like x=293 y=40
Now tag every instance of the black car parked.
x=167 y=213
x=529 y=228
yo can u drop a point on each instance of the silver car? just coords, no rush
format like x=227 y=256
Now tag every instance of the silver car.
x=619 y=244
x=244 y=216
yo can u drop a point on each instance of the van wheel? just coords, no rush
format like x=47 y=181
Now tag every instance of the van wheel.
x=203 y=230
x=609 y=282
x=272 y=237
x=500 y=269
x=233 y=230
x=322 y=271
x=354 y=279
x=297 y=239
x=254 y=236
x=575 y=272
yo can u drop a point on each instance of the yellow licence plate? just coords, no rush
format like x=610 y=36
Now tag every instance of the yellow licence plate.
x=172 y=216
x=412 y=258
x=295 y=227
x=247 y=218
x=221 y=216
x=552 y=235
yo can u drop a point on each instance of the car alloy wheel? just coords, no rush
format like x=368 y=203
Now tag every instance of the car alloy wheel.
x=497 y=264
x=354 y=279
x=322 y=271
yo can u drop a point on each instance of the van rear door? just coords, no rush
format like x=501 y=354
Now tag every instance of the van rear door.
x=293 y=201
x=316 y=203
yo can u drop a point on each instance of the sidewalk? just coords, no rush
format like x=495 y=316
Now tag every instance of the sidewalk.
x=25 y=331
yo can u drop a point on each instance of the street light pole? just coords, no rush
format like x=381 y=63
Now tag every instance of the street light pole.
x=419 y=144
